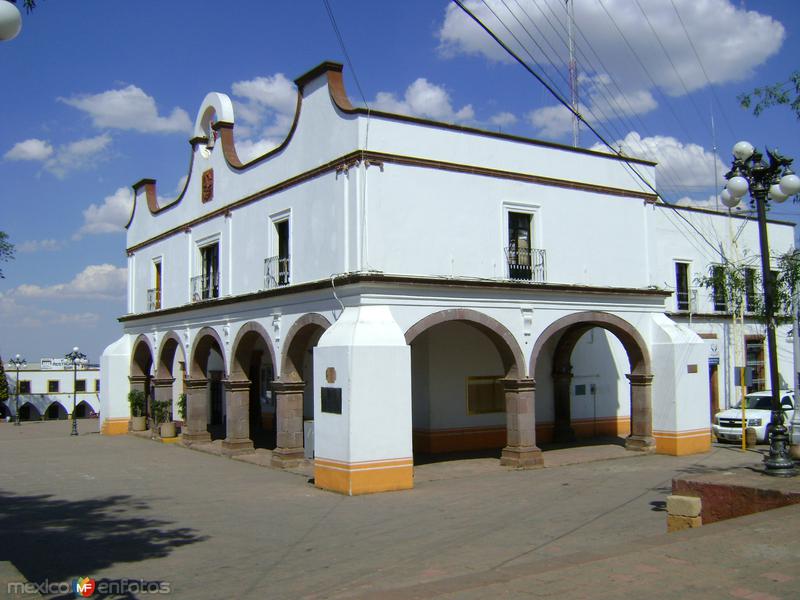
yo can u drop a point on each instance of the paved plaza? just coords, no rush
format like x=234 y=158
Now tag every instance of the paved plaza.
x=124 y=507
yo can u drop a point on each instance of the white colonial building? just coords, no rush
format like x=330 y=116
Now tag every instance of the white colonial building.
x=420 y=287
x=47 y=390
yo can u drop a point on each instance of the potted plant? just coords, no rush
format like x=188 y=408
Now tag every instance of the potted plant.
x=162 y=411
x=136 y=402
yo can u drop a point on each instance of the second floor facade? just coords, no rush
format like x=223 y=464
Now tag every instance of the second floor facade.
x=349 y=191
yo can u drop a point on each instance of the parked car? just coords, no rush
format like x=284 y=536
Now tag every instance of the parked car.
x=727 y=425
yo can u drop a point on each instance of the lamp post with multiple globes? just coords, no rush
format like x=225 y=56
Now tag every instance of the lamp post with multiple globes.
x=18 y=364
x=773 y=180
x=10 y=21
x=75 y=357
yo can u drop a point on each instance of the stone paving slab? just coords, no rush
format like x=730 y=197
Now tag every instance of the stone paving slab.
x=752 y=557
x=123 y=507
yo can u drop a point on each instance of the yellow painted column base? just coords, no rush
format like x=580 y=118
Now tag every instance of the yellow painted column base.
x=115 y=426
x=681 y=443
x=364 y=477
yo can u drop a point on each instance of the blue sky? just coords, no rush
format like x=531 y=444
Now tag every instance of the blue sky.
x=97 y=95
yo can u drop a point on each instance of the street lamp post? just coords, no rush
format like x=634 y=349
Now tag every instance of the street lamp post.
x=766 y=181
x=18 y=363
x=10 y=21
x=75 y=357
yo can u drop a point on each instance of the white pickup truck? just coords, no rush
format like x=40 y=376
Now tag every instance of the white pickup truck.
x=727 y=425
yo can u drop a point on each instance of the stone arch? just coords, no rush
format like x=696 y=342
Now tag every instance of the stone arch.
x=170 y=344
x=300 y=335
x=520 y=432
x=29 y=412
x=567 y=331
x=204 y=341
x=631 y=339
x=246 y=337
x=141 y=357
x=83 y=410
x=502 y=339
x=55 y=410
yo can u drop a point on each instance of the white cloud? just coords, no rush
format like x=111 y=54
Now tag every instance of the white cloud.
x=274 y=92
x=109 y=216
x=423 y=99
x=95 y=282
x=32 y=149
x=264 y=115
x=680 y=165
x=551 y=121
x=26 y=316
x=503 y=119
x=49 y=245
x=80 y=154
x=129 y=108
x=730 y=40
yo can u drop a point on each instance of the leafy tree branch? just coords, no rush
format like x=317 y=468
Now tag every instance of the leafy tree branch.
x=786 y=93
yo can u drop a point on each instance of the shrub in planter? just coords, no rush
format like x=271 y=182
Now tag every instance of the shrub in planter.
x=162 y=414
x=136 y=402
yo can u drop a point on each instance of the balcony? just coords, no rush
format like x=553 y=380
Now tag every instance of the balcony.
x=527 y=264
x=153 y=299
x=686 y=300
x=276 y=272
x=205 y=287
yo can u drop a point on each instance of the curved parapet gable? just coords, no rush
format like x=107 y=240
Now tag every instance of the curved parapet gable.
x=214 y=126
x=216 y=106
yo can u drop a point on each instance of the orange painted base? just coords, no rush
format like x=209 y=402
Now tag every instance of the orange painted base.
x=681 y=443
x=114 y=427
x=458 y=440
x=370 y=477
x=465 y=439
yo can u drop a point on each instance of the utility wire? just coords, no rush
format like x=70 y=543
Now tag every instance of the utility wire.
x=580 y=117
x=703 y=69
x=601 y=89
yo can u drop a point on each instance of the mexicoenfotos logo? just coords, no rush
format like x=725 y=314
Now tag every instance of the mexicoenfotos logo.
x=84 y=586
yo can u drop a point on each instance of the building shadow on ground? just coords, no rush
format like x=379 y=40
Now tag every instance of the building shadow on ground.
x=49 y=538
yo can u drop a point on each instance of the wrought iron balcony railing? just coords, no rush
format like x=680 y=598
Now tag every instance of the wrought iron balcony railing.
x=205 y=287
x=276 y=272
x=527 y=264
x=153 y=299
x=686 y=300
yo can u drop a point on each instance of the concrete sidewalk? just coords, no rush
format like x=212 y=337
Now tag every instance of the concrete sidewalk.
x=212 y=527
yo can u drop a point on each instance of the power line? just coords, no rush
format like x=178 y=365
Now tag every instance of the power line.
x=703 y=69
x=589 y=126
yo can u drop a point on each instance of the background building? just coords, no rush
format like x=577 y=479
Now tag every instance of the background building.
x=46 y=390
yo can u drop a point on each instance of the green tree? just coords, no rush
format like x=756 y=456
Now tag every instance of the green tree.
x=28 y=4
x=6 y=250
x=785 y=93
x=3 y=383
x=737 y=287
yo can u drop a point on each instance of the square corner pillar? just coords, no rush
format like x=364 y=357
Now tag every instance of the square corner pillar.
x=237 y=409
x=289 y=423
x=163 y=388
x=362 y=404
x=521 y=450
x=196 y=430
x=680 y=389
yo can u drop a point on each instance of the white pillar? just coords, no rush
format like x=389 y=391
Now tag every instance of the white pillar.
x=681 y=422
x=362 y=425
